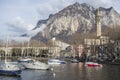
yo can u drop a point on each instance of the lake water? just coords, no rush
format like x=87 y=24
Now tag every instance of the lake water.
x=71 y=71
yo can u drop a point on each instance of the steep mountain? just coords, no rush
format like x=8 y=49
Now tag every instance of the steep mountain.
x=76 y=18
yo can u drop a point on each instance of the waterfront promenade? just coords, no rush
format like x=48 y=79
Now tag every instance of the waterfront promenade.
x=28 y=51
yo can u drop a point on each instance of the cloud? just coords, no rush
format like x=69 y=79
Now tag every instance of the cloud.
x=34 y=32
x=18 y=25
x=51 y=7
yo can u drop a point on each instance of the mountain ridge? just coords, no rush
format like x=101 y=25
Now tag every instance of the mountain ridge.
x=75 y=18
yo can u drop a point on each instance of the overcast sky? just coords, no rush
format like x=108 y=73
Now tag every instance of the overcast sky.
x=20 y=16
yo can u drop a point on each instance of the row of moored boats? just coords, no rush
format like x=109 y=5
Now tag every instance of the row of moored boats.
x=15 y=68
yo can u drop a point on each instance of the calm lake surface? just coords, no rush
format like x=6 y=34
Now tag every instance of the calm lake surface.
x=71 y=71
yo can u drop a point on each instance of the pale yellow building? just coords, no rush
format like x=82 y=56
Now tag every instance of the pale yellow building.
x=97 y=41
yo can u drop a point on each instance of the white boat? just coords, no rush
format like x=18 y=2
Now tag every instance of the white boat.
x=93 y=64
x=18 y=64
x=25 y=60
x=7 y=68
x=74 y=61
x=10 y=69
x=36 y=65
x=56 y=61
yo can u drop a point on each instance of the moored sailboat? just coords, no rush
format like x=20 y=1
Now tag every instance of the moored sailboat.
x=7 y=68
x=10 y=69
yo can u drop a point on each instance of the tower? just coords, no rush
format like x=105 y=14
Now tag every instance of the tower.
x=98 y=23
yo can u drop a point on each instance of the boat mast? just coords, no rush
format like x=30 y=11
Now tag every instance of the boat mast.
x=28 y=48
x=6 y=49
x=22 y=50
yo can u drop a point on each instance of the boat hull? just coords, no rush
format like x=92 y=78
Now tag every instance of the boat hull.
x=56 y=62
x=10 y=73
x=36 y=65
x=92 y=64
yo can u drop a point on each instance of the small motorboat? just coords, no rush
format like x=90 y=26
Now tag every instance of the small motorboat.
x=23 y=61
x=56 y=61
x=74 y=61
x=10 y=69
x=36 y=65
x=93 y=64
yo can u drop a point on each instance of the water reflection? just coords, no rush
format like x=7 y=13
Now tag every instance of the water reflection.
x=9 y=78
x=36 y=75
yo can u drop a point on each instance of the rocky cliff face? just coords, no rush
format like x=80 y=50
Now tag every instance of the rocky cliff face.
x=76 y=18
